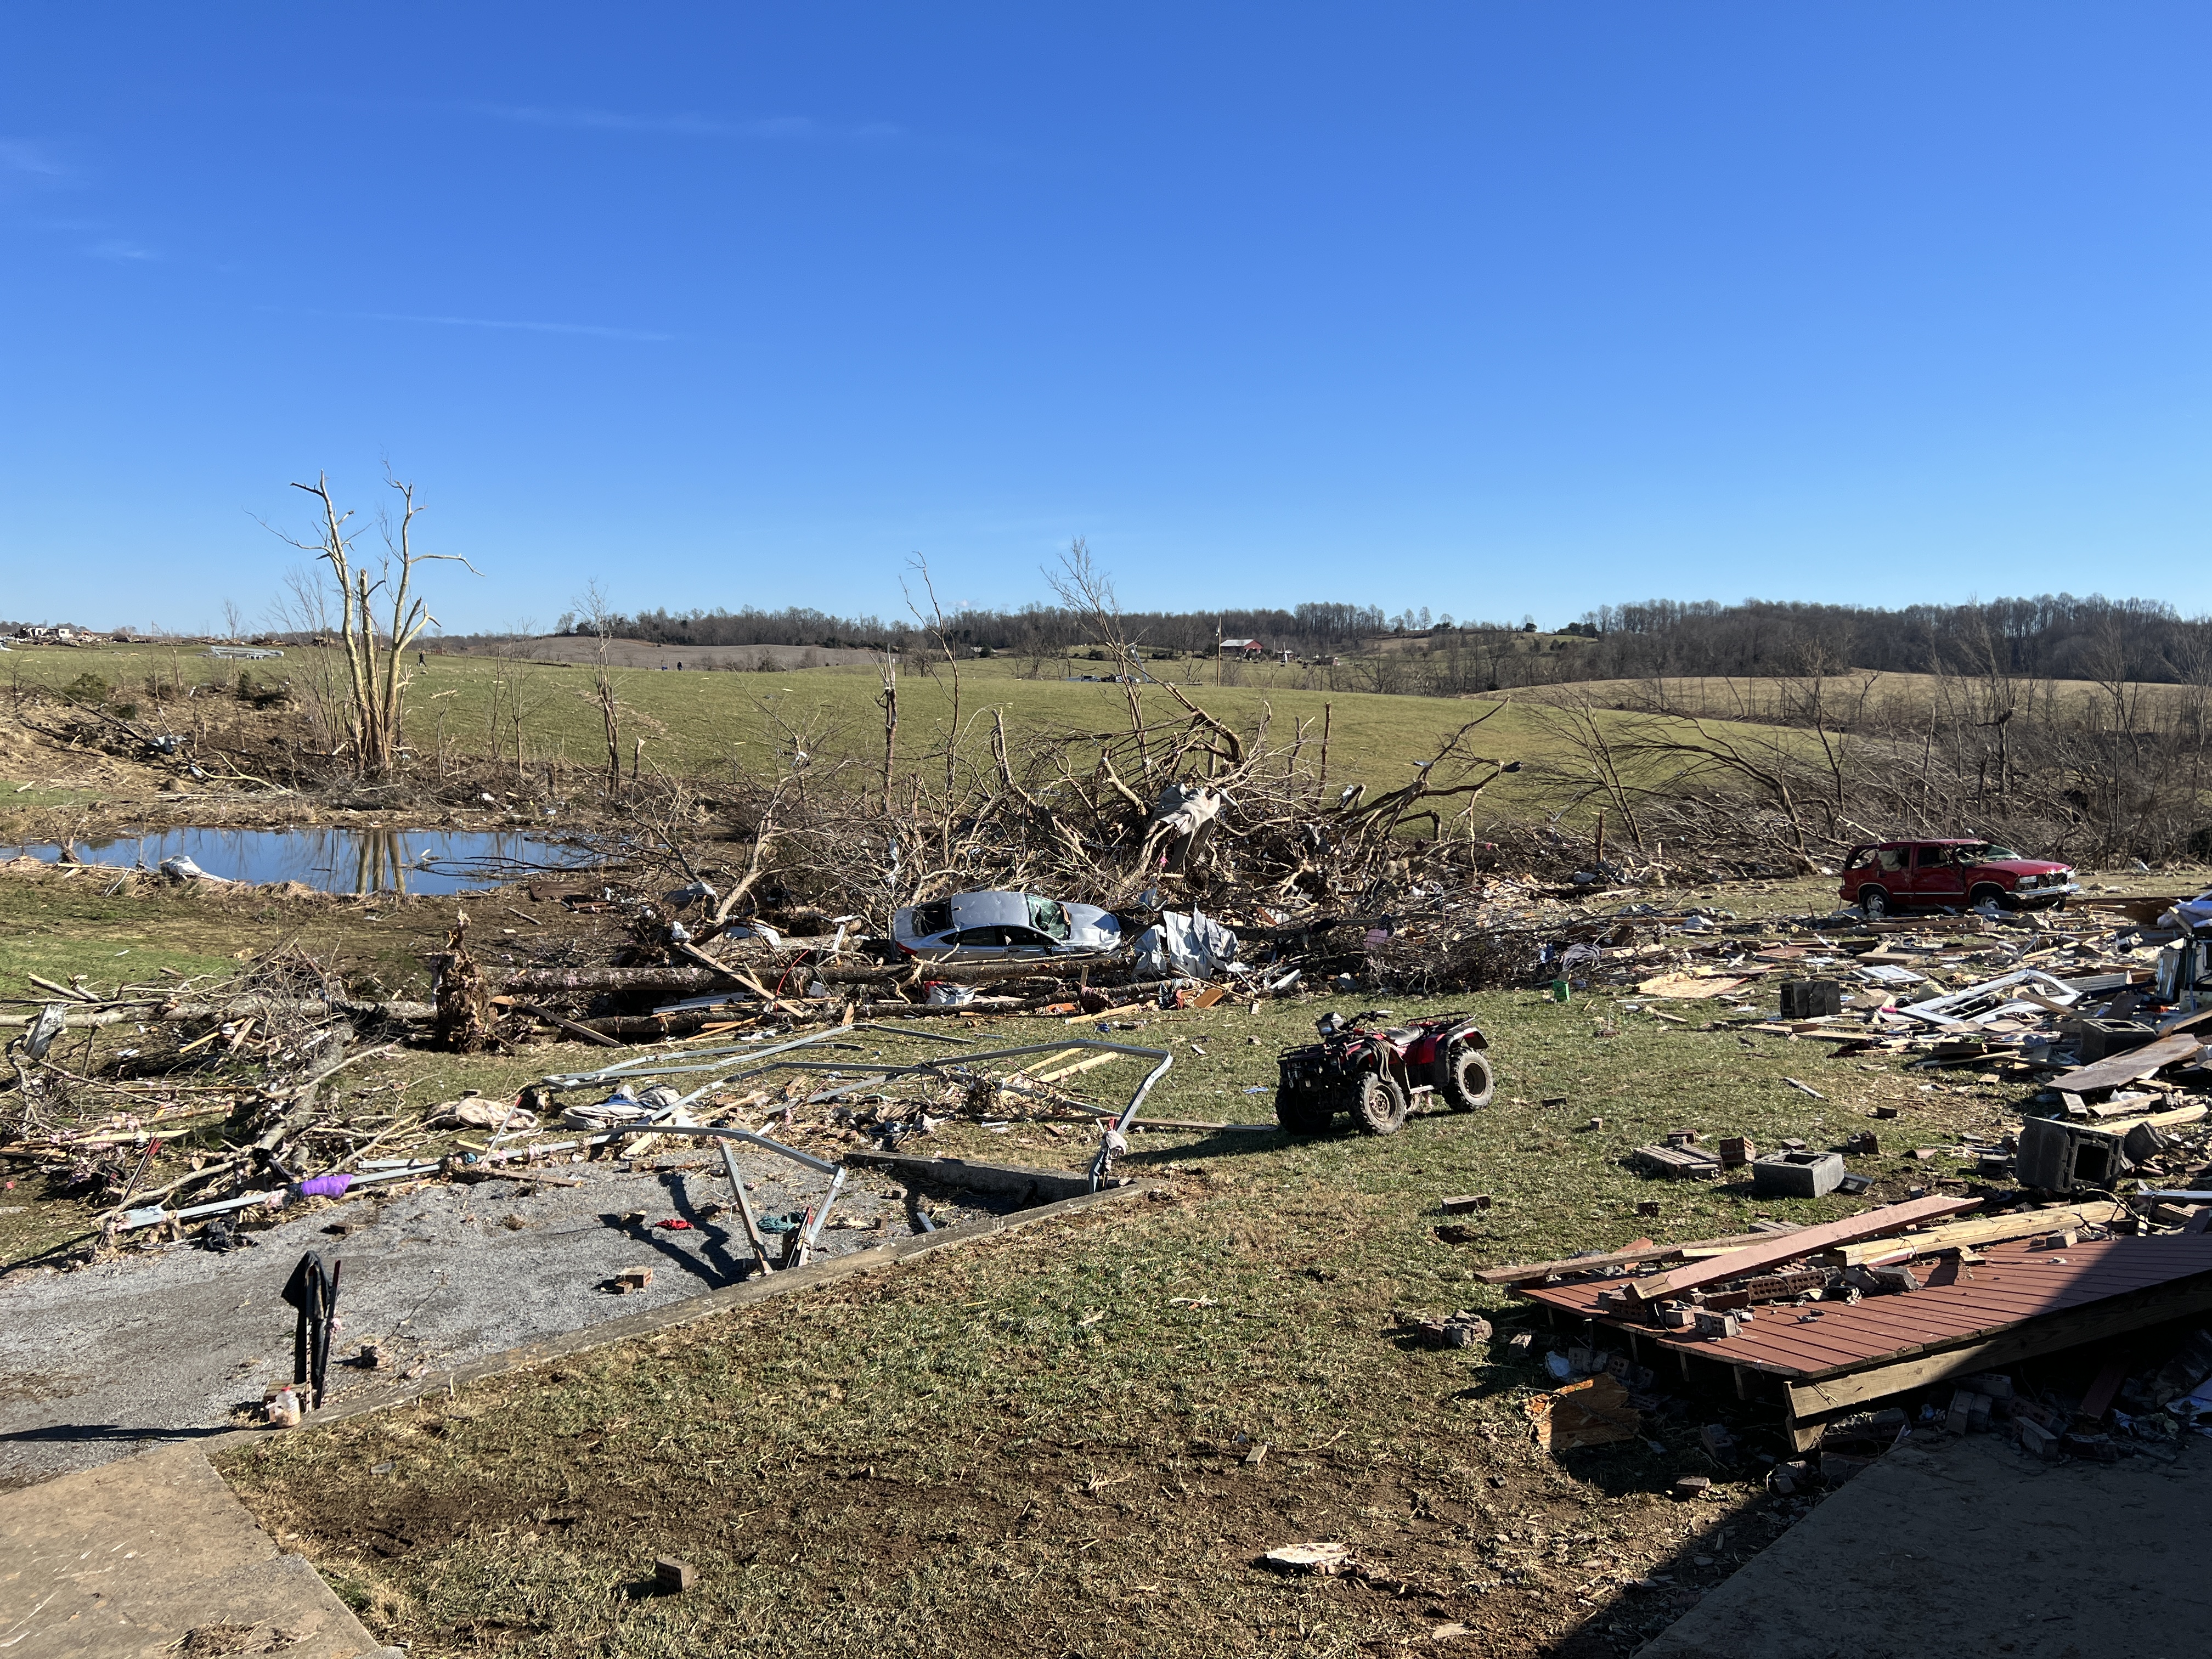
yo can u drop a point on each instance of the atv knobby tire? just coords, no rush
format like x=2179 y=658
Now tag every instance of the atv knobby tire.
x=1305 y=1111
x=1378 y=1104
x=1466 y=1081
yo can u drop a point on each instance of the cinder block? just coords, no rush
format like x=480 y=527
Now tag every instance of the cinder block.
x=1965 y=1405
x=2056 y=1156
x=672 y=1577
x=1796 y=1175
x=2142 y=1142
x=1812 y=999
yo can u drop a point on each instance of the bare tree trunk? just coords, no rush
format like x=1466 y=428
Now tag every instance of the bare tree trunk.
x=377 y=677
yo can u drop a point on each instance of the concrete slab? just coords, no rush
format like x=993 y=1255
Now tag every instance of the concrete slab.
x=150 y=1556
x=1967 y=1547
x=96 y=1363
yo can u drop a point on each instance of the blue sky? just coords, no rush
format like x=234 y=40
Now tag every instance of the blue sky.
x=1496 y=309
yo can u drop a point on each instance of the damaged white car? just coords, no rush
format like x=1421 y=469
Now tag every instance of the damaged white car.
x=996 y=926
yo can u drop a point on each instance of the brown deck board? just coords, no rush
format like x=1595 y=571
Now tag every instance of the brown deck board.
x=2013 y=1283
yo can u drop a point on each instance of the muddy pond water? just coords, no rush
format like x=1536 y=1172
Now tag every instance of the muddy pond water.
x=338 y=860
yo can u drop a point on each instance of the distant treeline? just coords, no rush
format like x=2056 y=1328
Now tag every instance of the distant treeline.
x=2055 y=636
x=1310 y=629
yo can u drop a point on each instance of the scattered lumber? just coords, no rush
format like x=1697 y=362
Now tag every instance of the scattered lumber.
x=2135 y=1064
x=1526 y=1273
x=1754 y=1259
x=1971 y=1235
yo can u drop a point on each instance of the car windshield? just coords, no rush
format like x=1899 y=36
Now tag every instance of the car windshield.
x=1983 y=852
x=1049 y=918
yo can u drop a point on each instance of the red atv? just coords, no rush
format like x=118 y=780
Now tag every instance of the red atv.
x=1378 y=1074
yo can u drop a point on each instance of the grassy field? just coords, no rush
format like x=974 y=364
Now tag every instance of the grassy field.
x=1043 y=1445
x=1853 y=699
x=711 y=725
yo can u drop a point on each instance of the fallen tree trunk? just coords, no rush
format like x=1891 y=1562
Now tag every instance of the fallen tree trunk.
x=237 y=1008
x=673 y=977
x=665 y=977
x=969 y=973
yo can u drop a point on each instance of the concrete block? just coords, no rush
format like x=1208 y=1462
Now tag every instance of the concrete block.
x=672 y=1578
x=2056 y=1156
x=1965 y=1404
x=1796 y=1175
x=1812 y=999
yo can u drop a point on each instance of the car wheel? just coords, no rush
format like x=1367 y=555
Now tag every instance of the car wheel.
x=1303 y=1111
x=1988 y=893
x=1467 y=1082
x=1378 y=1104
x=1875 y=903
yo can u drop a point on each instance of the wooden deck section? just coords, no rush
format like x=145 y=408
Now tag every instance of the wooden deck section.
x=1834 y=1357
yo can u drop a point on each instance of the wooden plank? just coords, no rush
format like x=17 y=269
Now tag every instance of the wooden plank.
x=1686 y=987
x=1785 y=1247
x=1090 y=1065
x=2120 y=1125
x=2099 y=1399
x=1528 y=1272
x=1982 y=1229
x=2113 y=1317
x=2136 y=1063
x=1032 y=1068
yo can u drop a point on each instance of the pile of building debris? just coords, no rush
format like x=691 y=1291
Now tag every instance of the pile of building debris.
x=1940 y=1309
x=2107 y=1022
x=818 y=1099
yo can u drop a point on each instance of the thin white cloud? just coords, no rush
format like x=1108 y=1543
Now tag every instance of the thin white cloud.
x=593 y=330
x=115 y=248
x=24 y=159
x=789 y=128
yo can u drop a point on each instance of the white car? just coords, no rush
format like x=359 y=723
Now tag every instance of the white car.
x=984 y=925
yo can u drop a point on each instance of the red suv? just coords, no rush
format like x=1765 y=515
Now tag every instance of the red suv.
x=1957 y=875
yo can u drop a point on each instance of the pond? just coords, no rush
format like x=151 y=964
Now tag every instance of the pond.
x=334 y=860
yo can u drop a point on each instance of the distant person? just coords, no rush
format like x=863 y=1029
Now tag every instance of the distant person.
x=422 y=660
x=679 y=664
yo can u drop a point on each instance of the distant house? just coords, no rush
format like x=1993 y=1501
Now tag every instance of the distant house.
x=1245 y=650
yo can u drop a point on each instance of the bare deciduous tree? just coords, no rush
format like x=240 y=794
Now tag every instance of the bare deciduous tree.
x=375 y=658
x=599 y=615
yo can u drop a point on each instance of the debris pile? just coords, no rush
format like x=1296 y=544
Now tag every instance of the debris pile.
x=1800 y=1316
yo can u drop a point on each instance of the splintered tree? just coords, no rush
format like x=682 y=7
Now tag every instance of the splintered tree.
x=376 y=673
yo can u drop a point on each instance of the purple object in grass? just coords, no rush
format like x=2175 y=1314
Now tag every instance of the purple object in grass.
x=329 y=1186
